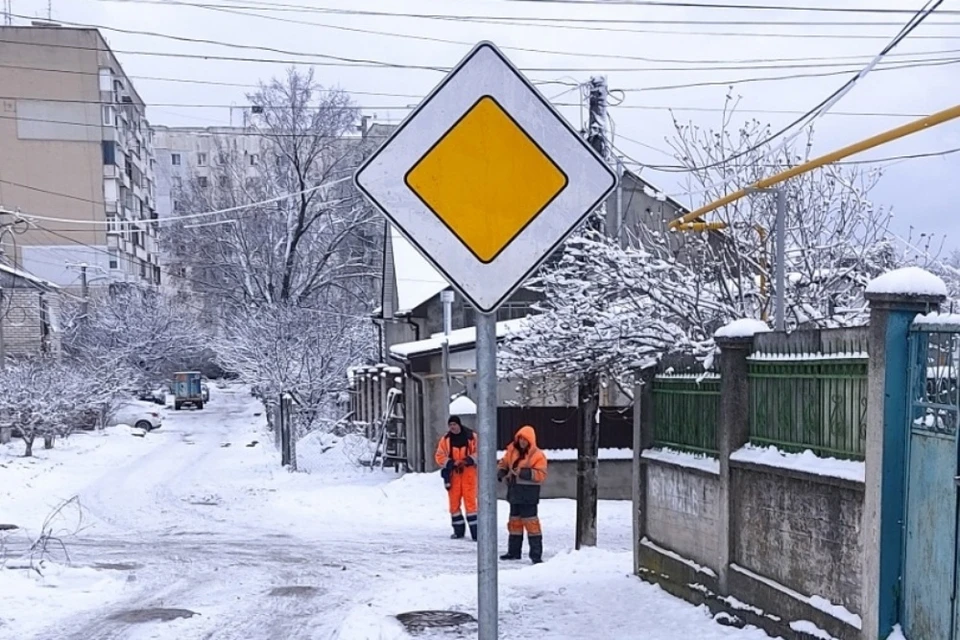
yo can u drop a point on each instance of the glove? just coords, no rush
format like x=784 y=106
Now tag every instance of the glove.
x=449 y=465
x=525 y=474
x=470 y=462
x=501 y=474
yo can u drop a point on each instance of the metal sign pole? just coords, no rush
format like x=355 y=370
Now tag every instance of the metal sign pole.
x=487 y=431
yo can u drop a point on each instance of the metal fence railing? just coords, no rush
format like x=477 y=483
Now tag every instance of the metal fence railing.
x=686 y=411
x=816 y=402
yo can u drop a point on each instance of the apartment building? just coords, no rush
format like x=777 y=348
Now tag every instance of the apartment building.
x=197 y=157
x=75 y=148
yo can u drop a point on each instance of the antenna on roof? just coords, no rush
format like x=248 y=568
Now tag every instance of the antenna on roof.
x=49 y=9
x=8 y=12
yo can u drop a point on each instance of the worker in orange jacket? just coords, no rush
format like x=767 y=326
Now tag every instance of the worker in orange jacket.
x=524 y=468
x=457 y=457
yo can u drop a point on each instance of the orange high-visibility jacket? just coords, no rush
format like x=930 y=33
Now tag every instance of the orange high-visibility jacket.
x=460 y=454
x=530 y=468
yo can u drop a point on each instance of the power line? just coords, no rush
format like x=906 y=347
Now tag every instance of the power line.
x=192 y=280
x=723 y=5
x=191 y=216
x=424 y=38
x=837 y=95
x=282 y=7
x=896 y=158
x=340 y=61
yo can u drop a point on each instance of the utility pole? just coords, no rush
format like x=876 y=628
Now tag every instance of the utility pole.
x=597 y=133
x=588 y=402
x=8 y=12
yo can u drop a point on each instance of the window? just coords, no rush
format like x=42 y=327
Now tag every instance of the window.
x=106 y=79
x=177 y=206
x=137 y=238
x=143 y=269
x=201 y=159
x=108 y=115
x=254 y=158
x=109 y=152
x=224 y=182
x=114 y=259
x=177 y=182
x=203 y=181
x=175 y=159
x=222 y=158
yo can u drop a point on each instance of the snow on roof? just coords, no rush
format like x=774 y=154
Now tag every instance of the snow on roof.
x=417 y=280
x=908 y=281
x=28 y=276
x=463 y=406
x=743 y=328
x=458 y=338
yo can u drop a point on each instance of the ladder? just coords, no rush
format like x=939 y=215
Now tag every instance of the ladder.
x=391 y=450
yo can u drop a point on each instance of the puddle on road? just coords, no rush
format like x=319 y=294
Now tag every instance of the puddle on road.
x=137 y=616
x=295 y=591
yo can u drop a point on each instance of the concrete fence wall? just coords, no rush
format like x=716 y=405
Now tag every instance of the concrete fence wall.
x=770 y=545
x=615 y=480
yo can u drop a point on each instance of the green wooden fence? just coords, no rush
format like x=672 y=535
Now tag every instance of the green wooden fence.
x=686 y=410
x=816 y=402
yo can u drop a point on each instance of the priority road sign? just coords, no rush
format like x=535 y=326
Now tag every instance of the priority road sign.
x=485 y=178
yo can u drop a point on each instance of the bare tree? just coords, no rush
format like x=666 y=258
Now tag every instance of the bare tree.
x=287 y=349
x=303 y=230
x=837 y=240
x=46 y=397
x=136 y=337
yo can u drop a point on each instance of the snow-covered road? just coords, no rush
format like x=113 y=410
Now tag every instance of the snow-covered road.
x=194 y=532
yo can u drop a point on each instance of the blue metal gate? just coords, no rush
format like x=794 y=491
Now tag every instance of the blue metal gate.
x=930 y=555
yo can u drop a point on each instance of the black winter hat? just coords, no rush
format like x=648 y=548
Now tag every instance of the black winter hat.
x=454 y=419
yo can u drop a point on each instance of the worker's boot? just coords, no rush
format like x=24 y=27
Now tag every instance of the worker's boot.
x=536 y=549
x=472 y=523
x=514 y=548
x=459 y=526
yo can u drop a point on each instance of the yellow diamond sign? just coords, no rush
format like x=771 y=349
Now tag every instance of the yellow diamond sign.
x=486 y=179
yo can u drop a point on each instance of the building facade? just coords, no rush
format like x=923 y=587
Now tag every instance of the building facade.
x=76 y=155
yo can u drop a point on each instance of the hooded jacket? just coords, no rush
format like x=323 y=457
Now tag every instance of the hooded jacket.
x=528 y=468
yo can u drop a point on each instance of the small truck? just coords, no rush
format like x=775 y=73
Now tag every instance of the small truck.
x=187 y=390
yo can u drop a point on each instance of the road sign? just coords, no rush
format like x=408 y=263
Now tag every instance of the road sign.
x=485 y=178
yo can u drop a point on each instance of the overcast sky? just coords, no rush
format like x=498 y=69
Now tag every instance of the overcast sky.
x=646 y=49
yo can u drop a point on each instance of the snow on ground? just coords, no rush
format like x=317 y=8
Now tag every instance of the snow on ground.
x=31 y=599
x=806 y=461
x=32 y=488
x=585 y=594
x=199 y=519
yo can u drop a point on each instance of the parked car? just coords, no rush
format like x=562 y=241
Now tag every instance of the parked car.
x=137 y=413
x=157 y=396
x=205 y=392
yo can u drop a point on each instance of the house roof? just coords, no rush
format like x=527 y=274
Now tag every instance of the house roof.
x=29 y=277
x=417 y=280
x=459 y=340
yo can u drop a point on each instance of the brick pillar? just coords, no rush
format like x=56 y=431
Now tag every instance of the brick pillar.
x=734 y=431
x=887 y=404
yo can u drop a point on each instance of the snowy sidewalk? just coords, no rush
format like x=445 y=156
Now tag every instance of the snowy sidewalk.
x=585 y=594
